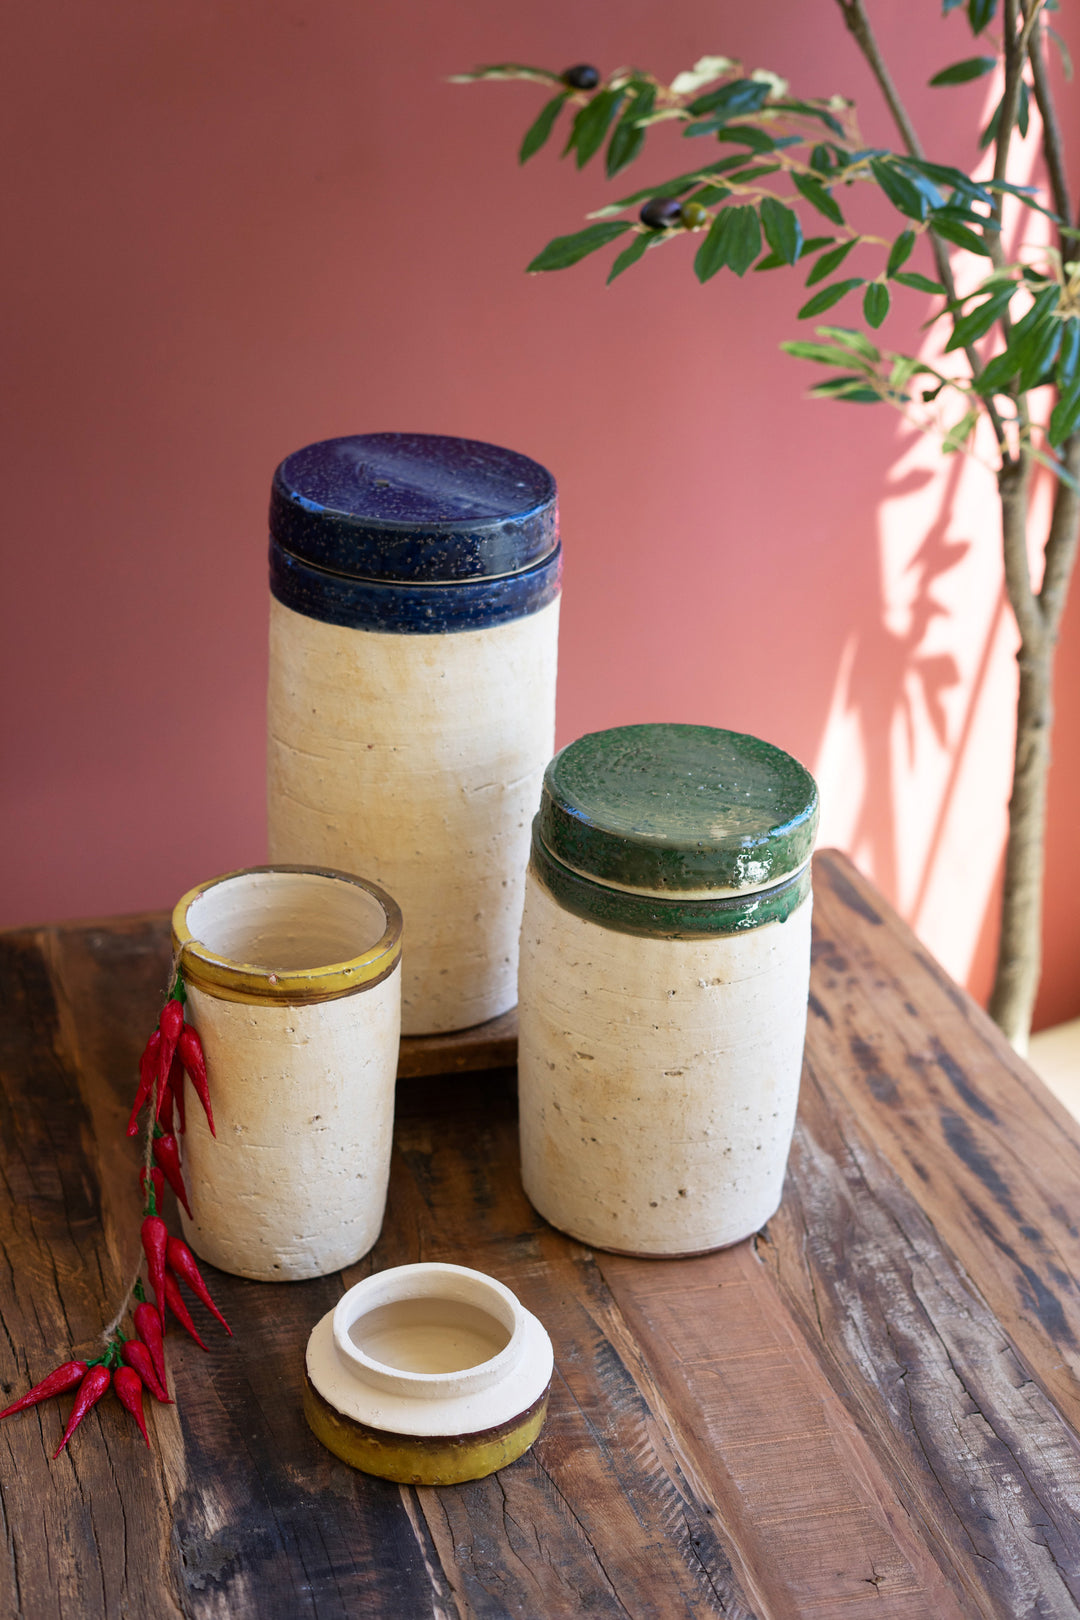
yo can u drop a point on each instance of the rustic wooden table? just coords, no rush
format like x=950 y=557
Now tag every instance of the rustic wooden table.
x=870 y=1409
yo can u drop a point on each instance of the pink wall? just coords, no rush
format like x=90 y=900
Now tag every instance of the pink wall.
x=235 y=229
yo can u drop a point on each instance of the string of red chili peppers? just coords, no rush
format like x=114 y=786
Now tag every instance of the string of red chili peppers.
x=129 y=1363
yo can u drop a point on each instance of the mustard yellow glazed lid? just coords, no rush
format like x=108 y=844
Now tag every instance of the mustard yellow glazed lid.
x=428 y=1374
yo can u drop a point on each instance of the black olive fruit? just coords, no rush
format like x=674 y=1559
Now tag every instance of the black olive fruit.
x=693 y=214
x=659 y=212
x=582 y=77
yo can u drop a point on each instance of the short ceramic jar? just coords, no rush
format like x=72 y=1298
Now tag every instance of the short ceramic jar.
x=663 y=986
x=413 y=635
x=428 y=1374
x=293 y=983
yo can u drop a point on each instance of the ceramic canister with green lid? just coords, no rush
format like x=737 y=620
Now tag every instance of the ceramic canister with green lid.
x=663 y=982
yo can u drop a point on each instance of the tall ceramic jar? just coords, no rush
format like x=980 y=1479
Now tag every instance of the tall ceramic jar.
x=413 y=634
x=664 y=975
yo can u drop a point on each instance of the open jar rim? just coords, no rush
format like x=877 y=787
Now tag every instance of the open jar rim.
x=231 y=979
x=438 y=1281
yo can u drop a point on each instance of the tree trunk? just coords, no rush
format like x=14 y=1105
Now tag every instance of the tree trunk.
x=1038 y=618
x=1020 y=950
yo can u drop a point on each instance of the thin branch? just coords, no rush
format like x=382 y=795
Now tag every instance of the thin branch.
x=1016 y=46
x=858 y=23
x=1010 y=96
x=1053 y=145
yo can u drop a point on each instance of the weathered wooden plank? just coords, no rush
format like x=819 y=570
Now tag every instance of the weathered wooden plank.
x=486 y=1046
x=602 y=1516
x=985 y=1463
x=85 y=1535
x=816 y=1524
x=987 y=1153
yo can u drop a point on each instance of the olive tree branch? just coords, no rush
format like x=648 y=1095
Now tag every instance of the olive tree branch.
x=1052 y=143
x=858 y=23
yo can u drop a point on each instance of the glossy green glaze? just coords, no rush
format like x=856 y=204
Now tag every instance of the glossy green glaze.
x=666 y=916
x=677 y=808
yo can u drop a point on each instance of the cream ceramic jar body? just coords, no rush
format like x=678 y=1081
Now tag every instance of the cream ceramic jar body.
x=294 y=1185
x=418 y=759
x=293 y=981
x=658 y=1078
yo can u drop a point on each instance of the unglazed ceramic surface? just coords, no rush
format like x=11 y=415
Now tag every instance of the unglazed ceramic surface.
x=417 y=760
x=658 y=1078
x=294 y=1183
x=431 y=1373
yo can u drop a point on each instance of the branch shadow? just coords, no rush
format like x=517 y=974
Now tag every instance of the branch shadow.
x=888 y=672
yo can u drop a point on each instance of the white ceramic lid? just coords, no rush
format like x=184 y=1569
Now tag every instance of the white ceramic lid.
x=430 y=1349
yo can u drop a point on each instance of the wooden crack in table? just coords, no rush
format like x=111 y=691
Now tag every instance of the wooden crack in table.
x=870 y=1409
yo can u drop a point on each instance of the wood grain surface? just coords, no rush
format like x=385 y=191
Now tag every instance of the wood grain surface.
x=485 y=1046
x=870 y=1409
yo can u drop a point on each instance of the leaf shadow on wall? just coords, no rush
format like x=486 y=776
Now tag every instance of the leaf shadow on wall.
x=888 y=673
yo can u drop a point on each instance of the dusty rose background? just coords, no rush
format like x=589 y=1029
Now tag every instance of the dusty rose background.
x=234 y=228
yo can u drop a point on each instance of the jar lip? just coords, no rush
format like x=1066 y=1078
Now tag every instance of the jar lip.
x=655 y=914
x=232 y=980
x=412 y=607
x=435 y=1280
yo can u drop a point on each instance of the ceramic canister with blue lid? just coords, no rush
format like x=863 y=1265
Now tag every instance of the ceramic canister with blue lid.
x=411 y=710
x=665 y=964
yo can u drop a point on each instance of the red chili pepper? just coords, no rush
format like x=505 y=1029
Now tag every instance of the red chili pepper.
x=167 y=1154
x=57 y=1383
x=182 y=1261
x=128 y=1386
x=176 y=1086
x=91 y=1389
x=155 y=1237
x=158 y=1182
x=138 y=1357
x=174 y=1300
x=190 y=1049
x=165 y=1108
x=148 y=1327
x=147 y=1069
x=170 y=1024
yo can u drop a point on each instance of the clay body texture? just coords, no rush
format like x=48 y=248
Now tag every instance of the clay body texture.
x=417 y=760
x=294 y=1185
x=658 y=1078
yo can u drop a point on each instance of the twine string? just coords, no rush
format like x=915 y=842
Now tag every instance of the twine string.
x=147 y=1165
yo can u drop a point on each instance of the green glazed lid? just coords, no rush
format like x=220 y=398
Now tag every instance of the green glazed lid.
x=678 y=809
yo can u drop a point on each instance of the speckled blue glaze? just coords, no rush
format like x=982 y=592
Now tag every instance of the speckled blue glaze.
x=419 y=610
x=415 y=508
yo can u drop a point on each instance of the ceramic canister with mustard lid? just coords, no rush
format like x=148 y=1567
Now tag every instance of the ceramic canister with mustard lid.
x=664 y=977
x=411 y=711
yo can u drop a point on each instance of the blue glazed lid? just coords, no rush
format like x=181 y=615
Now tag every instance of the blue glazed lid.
x=414 y=508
